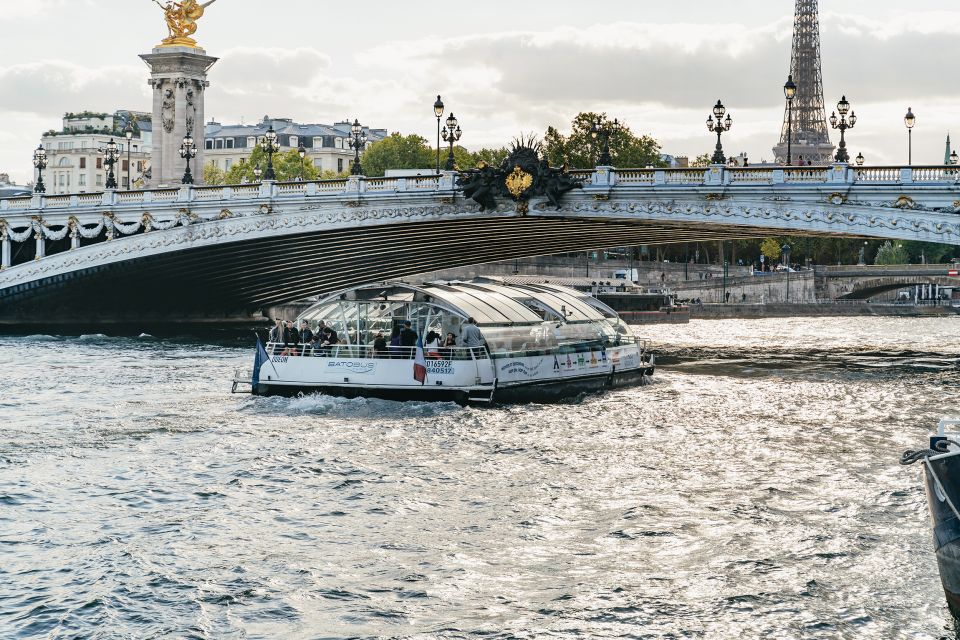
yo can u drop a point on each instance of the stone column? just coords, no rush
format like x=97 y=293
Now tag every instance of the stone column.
x=4 y=251
x=178 y=75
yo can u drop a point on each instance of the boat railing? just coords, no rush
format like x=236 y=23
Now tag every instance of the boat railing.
x=365 y=352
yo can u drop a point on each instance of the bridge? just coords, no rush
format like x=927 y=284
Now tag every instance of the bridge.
x=206 y=254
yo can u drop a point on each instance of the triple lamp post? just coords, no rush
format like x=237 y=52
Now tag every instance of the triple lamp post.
x=451 y=133
x=40 y=162
x=188 y=151
x=596 y=131
x=842 y=124
x=358 y=140
x=721 y=126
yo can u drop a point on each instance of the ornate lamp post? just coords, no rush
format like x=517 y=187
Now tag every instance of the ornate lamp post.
x=909 y=120
x=257 y=172
x=271 y=146
x=40 y=162
x=128 y=134
x=188 y=151
x=438 y=111
x=302 y=152
x=451 y=133
x=110 y=155
x=721 y=126
x=596 y=131
x=843 y=123
x=954 y=158
x=860 y=159
x=790 y=91
x=358 y=140
x=785 y=249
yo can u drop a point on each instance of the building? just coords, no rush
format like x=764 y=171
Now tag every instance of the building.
x=10 y=190
x=327 y=146
x=75 y=162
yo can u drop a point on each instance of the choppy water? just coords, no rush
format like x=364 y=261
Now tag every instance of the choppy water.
x=752 y=491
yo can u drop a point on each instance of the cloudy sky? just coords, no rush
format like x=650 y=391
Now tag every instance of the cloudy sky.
x=502 y=67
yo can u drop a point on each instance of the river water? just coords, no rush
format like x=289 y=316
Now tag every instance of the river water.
x=752 y=491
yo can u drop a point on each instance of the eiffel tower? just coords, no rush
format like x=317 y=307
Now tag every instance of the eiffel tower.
x=811 y=137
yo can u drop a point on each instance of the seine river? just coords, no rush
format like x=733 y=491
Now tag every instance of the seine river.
x=752 y=491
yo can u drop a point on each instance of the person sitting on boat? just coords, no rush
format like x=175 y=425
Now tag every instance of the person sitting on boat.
x=380 y=346
x=327 y=340
x=306 y=336
x=291 y=339
x=408 y=339
x=470 y=334
x=433 y=345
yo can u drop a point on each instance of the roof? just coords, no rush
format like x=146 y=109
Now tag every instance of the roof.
x=489 y=303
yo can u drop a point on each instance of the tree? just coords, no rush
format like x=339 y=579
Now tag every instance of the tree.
x=492 y=157
x=890 y=254
x=580 y=150
x=286 y=165
x=770 y=247
x=702 y=160
x=213 y=175
x=398 y=152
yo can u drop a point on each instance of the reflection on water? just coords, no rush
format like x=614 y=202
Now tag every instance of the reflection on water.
x=752 y=491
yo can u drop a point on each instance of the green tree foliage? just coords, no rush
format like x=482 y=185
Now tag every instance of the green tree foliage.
x=702 y=160
x=581 y=150
x=889 y=253
x=286 y=165
x=492 y=157
x=213 y=175
x=770 y=248
x=397 y=151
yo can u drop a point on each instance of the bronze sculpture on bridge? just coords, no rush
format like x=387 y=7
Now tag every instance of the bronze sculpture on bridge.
x=181 y=20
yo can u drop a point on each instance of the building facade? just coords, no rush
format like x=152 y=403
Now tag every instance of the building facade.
x=327 y=146
x=75 y=162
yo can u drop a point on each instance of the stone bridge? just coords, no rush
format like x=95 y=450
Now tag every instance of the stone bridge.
x=205 y=254
x=864 y=282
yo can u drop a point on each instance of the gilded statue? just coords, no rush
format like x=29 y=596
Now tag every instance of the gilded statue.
x=181 y=20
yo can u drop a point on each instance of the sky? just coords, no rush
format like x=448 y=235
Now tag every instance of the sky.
x=504 y=68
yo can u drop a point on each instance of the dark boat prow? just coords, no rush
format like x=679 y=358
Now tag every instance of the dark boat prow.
x=941 y=475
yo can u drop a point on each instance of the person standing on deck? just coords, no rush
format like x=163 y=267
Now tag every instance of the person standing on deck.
x=470 y=334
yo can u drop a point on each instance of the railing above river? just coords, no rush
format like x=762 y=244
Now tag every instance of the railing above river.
x=445 y=183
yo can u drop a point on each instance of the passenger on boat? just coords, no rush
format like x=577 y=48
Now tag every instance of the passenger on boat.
x=276 y=333
x=291 y=339
x=433 y=345
x=380 y=346
x=327 y=340
x=408 y=339
x=450 y=340
x=395 y=342
x=306 y=336
x=470 y=334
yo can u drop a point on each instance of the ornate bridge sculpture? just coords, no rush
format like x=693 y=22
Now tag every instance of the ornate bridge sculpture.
x=209 y=253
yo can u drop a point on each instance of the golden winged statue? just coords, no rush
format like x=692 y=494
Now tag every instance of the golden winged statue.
x=181 y=20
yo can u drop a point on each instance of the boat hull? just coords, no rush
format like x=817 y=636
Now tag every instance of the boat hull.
x=946 y=525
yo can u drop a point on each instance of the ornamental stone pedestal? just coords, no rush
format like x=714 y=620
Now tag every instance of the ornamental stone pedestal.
x=178 y=76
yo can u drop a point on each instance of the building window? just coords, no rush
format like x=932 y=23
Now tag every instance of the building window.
x=208 y=144
x=227 y=163
x=62 y=179
x=243 y=161
x=338 y=143
x=219 y=143
x=82 y=180
x=294 y=141
x=339 y=165
x=229 y=143
x=99 y=163
x=99 y=179
x=124 y=182
x=135 y=147
x=318 y=163
x=126 y=165
x=83 y=163
x=318 y=143
x=251 y=142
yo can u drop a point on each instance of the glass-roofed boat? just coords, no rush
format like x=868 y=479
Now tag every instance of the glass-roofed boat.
x=477 y=341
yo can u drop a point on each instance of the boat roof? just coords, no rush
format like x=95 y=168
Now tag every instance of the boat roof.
x=487 y=300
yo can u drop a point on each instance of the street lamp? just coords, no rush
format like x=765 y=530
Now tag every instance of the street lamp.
x=789 y=91
x=843 y=123
x=785 y=249
x=257 y=172
x=438 y=111
x=860 y=159
x=358 y=140
x=302 y=152
x=604 y=132
x=451 y=133
x=128 y=134
x=40 y=162
x=271 y=146
x=909 y=120
x=110 y=155
x=954 y=158
x=188 y=151
x=719 y=127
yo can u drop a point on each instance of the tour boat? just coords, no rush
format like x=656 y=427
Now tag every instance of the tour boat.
x=941 y=472
x=536 y=343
